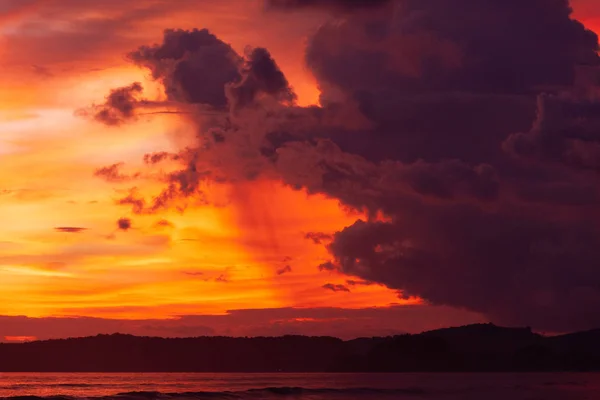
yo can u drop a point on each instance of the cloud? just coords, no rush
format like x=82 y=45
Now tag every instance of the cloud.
x=182 y=184
x=138 y=204
x=454 y=58
x=284 y=270
x=327 y=266
x=112 y=173
x=477 y=195
x=69 y=229
x=198 y=68
x=566 y=131
x=260 y=75
x=352 y=282
x=155 y=158
x=163 y=223
x=317 y=237
x=194 y=66
x=120 y=105
x=124 y=224
x=125 y=104
x=464 y=229
x=336 y=288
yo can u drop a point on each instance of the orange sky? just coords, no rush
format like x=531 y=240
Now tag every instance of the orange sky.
x=210 y=259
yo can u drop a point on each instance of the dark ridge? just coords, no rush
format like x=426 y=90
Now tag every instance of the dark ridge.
x=481 y=347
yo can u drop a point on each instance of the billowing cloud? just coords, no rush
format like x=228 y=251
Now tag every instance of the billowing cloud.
x=260 y=75
x=194 y=66
x=486 y=246
x=198 y=68
x=566 y=131
x=431 y=55
x=472 y=200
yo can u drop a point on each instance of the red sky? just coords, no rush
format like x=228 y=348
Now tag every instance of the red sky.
x=212 y=269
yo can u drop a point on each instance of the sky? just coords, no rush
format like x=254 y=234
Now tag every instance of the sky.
x=268 y=167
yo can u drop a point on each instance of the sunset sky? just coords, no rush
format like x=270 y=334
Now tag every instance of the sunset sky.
x=224 y=237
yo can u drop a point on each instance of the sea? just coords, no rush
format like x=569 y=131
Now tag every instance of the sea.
x=177 y=386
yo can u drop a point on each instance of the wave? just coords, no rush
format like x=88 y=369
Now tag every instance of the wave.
x=267 y=392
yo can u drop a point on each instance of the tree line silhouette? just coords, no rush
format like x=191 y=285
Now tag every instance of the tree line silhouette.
x=480 y=347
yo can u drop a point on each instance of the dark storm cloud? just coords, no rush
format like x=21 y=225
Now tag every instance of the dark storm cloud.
x=69 y=229
x=261 y=75
x=478 y=196
x=567 y=131
x=449 y=178
x=415 y=74
x=445 y=86
x=446 y=45
x=512 y=266
x=124 y=224
x=194 y=66
x=197 y=67
x=336 y=288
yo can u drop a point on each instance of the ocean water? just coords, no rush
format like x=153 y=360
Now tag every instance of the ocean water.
x=299 y=386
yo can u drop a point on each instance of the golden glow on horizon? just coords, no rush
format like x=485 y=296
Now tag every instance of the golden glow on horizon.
x=19 y=339
x=211 y=260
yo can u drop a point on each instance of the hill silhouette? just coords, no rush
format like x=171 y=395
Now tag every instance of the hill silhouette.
x=481 y=347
